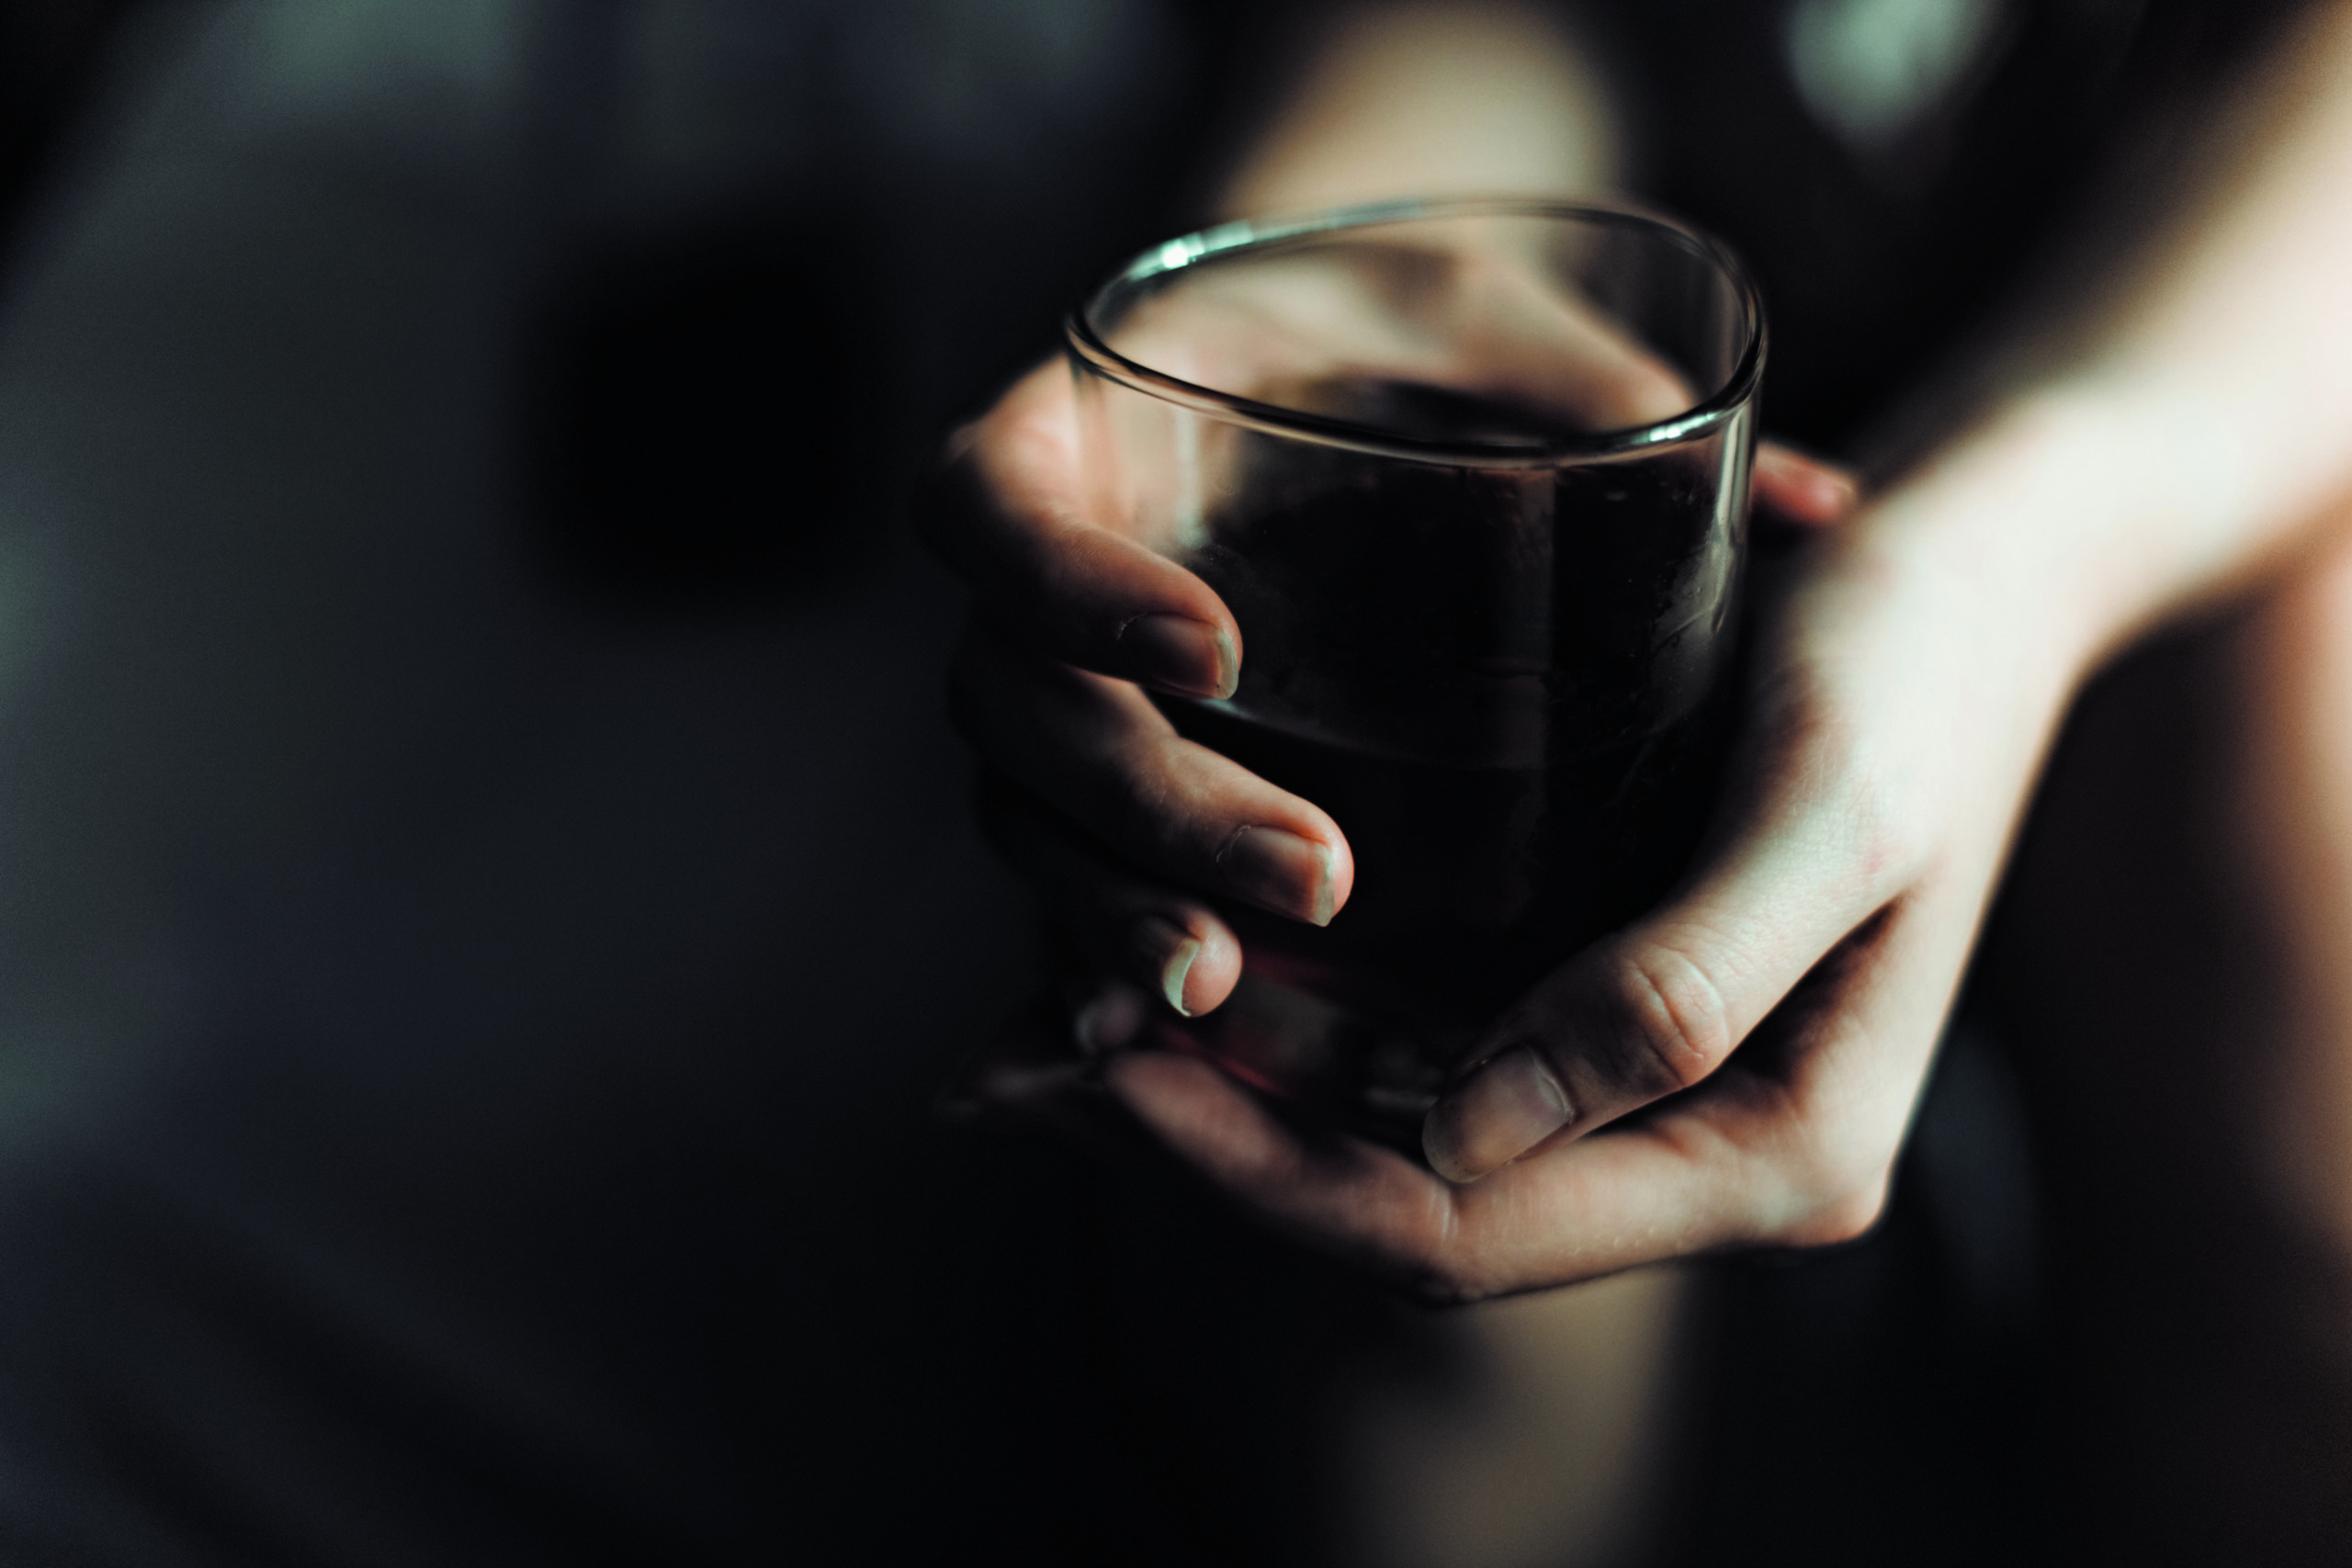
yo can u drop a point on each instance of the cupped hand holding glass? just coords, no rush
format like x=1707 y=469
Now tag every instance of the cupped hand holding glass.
x=1471 y=478
x=1117 y=818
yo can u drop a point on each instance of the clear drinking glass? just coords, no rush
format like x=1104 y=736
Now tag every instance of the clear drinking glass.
x=1472 y=475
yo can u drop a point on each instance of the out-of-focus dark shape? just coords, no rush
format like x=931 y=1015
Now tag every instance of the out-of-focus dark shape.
x=50 y=51
x=709 y=412
x=1895 y=183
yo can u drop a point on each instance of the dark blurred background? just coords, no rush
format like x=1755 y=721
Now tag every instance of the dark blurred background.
x=489 y=896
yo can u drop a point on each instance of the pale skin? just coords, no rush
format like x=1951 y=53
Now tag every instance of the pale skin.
x=2186 y=446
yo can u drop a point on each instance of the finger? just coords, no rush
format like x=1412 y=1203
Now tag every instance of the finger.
x=1794 y=1147
x=1800 y=489
x=1098 y=751
x=1107 y=1014
x=1006 y=510
x=1339 y=1194
x=1027 y=1064
x=1600 y=1206
x=1170 y=945
x=1661 y=1004
x=1031 y=1076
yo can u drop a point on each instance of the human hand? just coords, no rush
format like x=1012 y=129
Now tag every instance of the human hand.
x=1118 y=822
x=1738 y=1068
x=1085 y=749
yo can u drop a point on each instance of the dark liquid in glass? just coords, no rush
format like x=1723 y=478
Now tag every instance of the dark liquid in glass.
x=1507 y=687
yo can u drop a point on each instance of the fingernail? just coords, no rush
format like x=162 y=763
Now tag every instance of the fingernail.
x=1169 y=948
x=1503 y=1110
x=1282 y=871
x=1192 y=656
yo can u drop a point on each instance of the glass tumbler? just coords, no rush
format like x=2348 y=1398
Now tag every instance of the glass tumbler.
x=1472 y=476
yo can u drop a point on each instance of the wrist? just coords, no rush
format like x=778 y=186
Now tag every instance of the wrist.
x=2066 y=522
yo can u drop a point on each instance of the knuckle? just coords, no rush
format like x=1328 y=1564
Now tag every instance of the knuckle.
x=1883 y=841
x=1165 y=808
x=1845 y=1215
x=1138 y=800
x=1835 y=1194
x=1678 y=1028
x=1835 y=784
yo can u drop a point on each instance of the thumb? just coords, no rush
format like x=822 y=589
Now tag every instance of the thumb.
x=1654 y=1009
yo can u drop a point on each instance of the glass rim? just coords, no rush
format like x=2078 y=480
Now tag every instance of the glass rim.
x=1088 y=347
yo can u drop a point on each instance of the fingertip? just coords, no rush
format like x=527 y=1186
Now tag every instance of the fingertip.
x=1326 y=899
x=1286 y=871
x=1162 y=953
x=1173 y=974
x=1828 y=497
x=1339 y=864
x=1179 y=654
x=1805 y=490
x=1501 y=1110
x=1192 y=966
x=1228 y=664
x=1215 y=971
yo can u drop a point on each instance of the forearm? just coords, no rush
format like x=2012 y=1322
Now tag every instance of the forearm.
x=2198 y=428
x=1431 y=99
